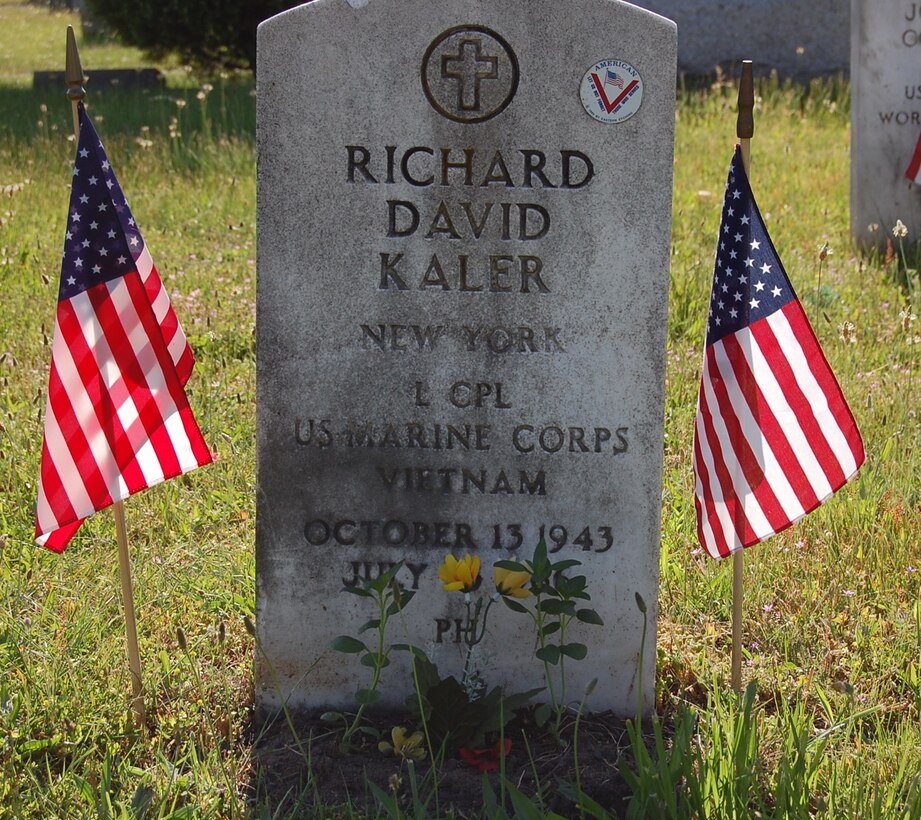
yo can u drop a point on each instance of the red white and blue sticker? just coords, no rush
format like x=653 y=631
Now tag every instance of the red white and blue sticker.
x=611 y=91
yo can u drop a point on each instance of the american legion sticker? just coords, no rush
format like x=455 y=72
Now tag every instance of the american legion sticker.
x=611 y=91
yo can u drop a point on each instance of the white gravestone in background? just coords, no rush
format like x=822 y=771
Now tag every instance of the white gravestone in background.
x=885 y=116
x=463 y=241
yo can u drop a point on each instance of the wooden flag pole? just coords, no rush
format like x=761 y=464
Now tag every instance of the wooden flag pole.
x=73 y=75
x=745 y=129
x=76 y=93
x=134 y=655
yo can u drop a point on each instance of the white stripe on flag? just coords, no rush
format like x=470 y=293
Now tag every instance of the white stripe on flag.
x=786 y=417
x=713 y=491
x=774 y=474
x=85 y=414
x=818 y=401
x=114 y=382
x=752 y=509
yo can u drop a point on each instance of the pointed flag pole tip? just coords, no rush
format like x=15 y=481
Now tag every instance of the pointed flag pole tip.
x=745 y=124
x=74 y=77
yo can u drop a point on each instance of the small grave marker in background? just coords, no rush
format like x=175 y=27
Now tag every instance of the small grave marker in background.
x=885 y=117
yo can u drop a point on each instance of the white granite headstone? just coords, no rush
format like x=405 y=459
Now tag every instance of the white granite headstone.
x=463 y=242
x=885 y=117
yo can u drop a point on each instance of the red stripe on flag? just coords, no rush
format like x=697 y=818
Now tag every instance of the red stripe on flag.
x=799 y=402
x=56 y=498
x=771 y=429
x=96 y=393
x=76 y=441
x=168 y=324
x=717 y=546
x=823 y=374
x=722 y=467
x=119 y=325
x=914 y=167
x=92 y=392
x=174 y=400
x=750 y=462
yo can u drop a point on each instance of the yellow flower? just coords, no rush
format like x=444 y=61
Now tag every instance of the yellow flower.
x=407 y=747
x=510 y=582
x=460 y=575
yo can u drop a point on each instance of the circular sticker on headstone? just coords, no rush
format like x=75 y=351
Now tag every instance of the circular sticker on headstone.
x=611 y=91
x=469 y=74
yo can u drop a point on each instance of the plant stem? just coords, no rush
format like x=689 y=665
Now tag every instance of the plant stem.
x=378 y=668
x=472 y=638
x=561 y=706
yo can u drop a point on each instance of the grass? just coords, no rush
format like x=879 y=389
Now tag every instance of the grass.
x=832 y=613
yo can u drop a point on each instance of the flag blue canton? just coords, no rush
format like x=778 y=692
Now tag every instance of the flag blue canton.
x=102 y=241
x=749 y=282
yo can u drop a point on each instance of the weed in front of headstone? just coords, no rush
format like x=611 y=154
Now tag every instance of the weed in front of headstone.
x=556 y=606
x=389 y=599
x=463 y=714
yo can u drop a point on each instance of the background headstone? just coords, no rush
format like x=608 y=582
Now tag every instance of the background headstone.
x=463 y=239
x=797 y=38
x=885 y=117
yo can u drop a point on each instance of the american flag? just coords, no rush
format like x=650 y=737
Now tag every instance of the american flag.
x=774 y=437
x=914 y=167
x=117 y=419
x=611 y=78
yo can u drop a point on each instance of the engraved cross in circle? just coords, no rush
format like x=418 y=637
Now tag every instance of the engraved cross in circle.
x=469 y=67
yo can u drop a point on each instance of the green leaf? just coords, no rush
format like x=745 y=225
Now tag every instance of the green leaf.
x=555 y=607
x=513 y=605
x=576 y=651
x=589 y=616
x=332 y=717
x=513 y=703
x=490 y=806
x=549 y=654
x=374 y=660
x=85 y=789
x=549 y=629
x=141 y=801
x=359 y=591
x=570 y=587
x=381 y=583
x=367 y=696
x=542 y=714
x=407 y=647
x=374 y=623
x=406 y=596
x=347 y=644
x=565 y=564
x=514 y=566
x=524 y=808
x=386 y=801
x=540 y=556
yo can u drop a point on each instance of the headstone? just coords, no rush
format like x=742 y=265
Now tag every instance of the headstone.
x=463 y=242
x=885 y=117
x=795 y=38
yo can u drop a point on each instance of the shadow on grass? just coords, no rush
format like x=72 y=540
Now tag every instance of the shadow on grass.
x=224 y=108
